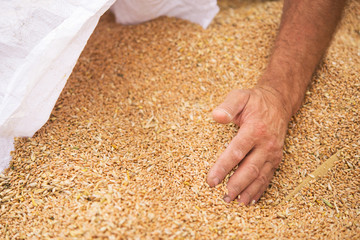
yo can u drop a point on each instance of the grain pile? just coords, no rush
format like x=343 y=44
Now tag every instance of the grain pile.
x=127 y=148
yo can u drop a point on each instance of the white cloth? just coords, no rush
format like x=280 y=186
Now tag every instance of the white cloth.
x=40 y=42
x=133 y=12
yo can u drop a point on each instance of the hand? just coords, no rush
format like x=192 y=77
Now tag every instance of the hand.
x=257 y=148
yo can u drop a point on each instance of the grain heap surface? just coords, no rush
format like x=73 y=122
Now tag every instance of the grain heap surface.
x=129 y=143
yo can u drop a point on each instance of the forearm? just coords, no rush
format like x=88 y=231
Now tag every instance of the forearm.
x=305 y=33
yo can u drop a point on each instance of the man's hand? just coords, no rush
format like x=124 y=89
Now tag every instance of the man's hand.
x=263 y=113
x=257 y=148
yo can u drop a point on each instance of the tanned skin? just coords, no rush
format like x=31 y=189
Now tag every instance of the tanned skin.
x=263 y=113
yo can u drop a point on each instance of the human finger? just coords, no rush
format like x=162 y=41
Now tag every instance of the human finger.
x=233 y=104
x=254 y=191
x=247 y=172
x=238 y=148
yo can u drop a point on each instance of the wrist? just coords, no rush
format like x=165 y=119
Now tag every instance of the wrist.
x=282 y=101
x=287 y=89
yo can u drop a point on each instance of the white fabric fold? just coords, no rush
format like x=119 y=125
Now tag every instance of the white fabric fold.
x=40 y=42
x=134 y=12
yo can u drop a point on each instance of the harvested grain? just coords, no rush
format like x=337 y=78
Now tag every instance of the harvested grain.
x=126 y=151
x=318 y=172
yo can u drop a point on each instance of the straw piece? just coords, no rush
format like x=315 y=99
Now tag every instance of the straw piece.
x=318 y=172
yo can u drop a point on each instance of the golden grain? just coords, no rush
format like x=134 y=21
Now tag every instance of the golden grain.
x=129 y=143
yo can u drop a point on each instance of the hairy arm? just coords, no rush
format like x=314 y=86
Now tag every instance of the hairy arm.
x=306 y=29
x=263 y=113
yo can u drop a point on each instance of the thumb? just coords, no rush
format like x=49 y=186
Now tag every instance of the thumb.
x=234 y=103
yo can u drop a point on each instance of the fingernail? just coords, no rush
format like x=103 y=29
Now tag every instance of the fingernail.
x=227 y=199
x=221 y=115
x=226 y=112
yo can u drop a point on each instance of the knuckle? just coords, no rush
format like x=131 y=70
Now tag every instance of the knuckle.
x=253 y=170
x=237 y=154
x=273 y=145
x=218 y=171
x=234 y=189
x=262 y=179
x=276 y=158
x=277 y=161
x=260 y=129
x=222 y=170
